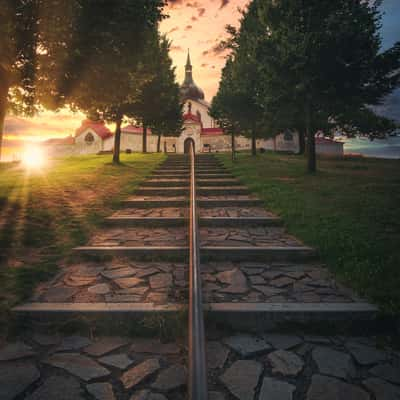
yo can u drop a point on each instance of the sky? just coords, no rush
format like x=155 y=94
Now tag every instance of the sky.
x=198 y=25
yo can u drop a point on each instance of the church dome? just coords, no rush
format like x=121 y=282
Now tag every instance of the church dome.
x=189 y=90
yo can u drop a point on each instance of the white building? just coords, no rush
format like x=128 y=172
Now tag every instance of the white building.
x=93 y=136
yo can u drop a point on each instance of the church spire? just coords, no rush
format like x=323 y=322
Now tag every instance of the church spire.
x=188 y=70
x=188 y=63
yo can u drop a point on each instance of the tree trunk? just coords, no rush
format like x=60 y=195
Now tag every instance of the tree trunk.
x=4 y=86
x=253 y=143
x=302 y=141
x=312 y=162
x=159 y=144
x=144 y=139
x=233 y=146
x=117 y=140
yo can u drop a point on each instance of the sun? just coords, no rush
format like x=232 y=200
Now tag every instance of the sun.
x=33 y=158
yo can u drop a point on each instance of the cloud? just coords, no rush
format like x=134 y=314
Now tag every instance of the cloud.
x=216 y=50
x=390 y=107
x=224 y=3
x=201 y=11
x=204 y=65
x=176 y=48
x=174 y=29
x=194 y=18
x=193 y=4
x=188 y=27
x=174 y=3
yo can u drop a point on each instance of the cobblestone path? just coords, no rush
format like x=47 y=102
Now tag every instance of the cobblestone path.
x=254 y=274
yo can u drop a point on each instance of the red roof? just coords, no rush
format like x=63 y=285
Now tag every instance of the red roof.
x=98 y=127
x=212 y=131
x=191 y=117
x=134 y=130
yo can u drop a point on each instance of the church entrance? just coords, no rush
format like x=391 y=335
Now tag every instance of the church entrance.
x=186 y=145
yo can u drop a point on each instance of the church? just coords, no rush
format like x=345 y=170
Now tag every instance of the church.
x=198 y=126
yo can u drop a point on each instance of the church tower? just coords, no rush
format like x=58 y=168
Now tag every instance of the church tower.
x=189 y=90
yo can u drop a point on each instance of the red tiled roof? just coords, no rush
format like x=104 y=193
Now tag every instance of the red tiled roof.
x=134 y=130
x=212 y=131
x=98 y=127
x=191 y=117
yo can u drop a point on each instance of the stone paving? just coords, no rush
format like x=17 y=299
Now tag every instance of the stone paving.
x=252 y=282
x=47 y=367
x=164 y=212
x=138 y=237
x=227 y=196
x=252 y=236
x=156 y=198
x=235 y=212
x=241 y=366
x=119 y=280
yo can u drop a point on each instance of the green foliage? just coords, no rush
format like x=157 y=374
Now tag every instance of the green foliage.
x=157 y=104
x=302 y=64
x=345 y=212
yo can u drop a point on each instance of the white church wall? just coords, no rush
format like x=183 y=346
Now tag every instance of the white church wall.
x=85 y=146
x=191 y=130
x=206 y=120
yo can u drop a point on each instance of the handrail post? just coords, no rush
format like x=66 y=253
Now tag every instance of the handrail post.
x=197 y=349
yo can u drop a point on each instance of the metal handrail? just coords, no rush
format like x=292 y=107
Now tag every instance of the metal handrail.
x=197 y=351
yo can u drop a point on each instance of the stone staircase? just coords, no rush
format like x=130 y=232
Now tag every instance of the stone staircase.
x=250 y=265
x=255 y=276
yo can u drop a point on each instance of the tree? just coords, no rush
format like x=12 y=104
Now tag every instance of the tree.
x=168 y=119
x=321 y=60
x=158 y=106
x=104 y=71
x=19 y=42
x=226 y=104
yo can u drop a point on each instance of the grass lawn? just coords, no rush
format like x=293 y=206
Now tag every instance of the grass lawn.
x=349 y=211
x=44 y=214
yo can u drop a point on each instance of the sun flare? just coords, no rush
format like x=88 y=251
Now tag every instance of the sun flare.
x=33 y=158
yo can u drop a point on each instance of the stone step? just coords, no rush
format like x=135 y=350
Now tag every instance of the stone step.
x=168 y=171
x=217 y=182
x=226 y=201
x=210 y=171
x=239 y=222
x=58 y=311
x=123 y=221
x=214 y=176
x=225 y=190
x=170 y=176
x=259 y=317
x=166 y=182
x=153 y=202
x=162 y=191
x=258 y=253
x=150 y=253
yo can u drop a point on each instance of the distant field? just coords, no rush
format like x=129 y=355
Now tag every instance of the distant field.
x=44 y=214
x=350 y=211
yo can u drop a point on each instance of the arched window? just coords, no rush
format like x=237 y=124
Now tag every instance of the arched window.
x=198 y=115
x=89 y=138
